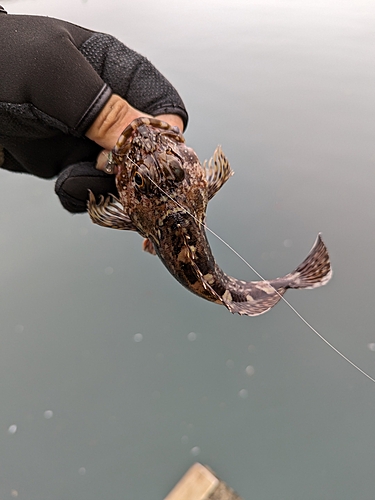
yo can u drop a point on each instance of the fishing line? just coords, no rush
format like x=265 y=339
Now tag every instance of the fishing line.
x=261 y=277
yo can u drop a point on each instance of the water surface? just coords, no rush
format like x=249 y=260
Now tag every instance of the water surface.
x=113 y=378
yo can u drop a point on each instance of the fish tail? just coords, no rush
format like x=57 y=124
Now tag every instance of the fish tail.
x=258 y=297
x=315 y=270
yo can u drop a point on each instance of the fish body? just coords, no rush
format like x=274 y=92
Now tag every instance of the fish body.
x=163 y=195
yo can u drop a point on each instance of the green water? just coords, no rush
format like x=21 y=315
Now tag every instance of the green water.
x=113 y=378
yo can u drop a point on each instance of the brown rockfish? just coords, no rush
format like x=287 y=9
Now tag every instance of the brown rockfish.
x=163 y=194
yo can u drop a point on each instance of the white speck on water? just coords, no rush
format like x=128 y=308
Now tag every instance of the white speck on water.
x=138 y=337
x=19 y=328
x=48 y=414
x=269 y=255
x=250 y=370
x=14 y=493
x=184 y=440
x=192 y=336
x=12 y=429
x=371 y=346
x=195 y=451
x=108 y=270
x=287 y=243
x=81 y=471
x=243 y=394
x=229 y=363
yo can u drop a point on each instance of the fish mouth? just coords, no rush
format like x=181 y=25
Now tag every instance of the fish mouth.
x=175 y=229
x=181 y=240
x=177 y=218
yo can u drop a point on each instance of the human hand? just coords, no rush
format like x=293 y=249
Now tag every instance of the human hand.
x=116 y=115
x=111 y=121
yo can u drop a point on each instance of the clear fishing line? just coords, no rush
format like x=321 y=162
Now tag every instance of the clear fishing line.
x=263 y=279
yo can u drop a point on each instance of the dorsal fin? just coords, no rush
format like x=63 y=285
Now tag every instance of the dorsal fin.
x=218 y=171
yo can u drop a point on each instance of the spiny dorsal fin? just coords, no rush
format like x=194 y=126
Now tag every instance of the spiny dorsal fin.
x=109 y=212
x=218 y=171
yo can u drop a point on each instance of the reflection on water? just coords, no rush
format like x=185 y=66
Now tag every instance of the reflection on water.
x=113 y=378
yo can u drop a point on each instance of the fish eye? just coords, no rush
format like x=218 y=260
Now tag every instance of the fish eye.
x=138 y=179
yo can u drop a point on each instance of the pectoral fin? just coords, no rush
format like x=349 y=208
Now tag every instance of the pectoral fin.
x=218 y=172
x=109 y=212
x=148 y=246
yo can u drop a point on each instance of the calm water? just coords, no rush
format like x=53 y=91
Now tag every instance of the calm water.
x=113 y=378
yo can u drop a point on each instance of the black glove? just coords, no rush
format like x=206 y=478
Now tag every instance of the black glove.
x=73 y=183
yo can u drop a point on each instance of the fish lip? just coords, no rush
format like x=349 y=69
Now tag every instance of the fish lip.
x=178 y=218
x=181 y=229
x=174 y=214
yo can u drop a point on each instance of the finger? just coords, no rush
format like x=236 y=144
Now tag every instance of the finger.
x=173 y=120
x=102 y=160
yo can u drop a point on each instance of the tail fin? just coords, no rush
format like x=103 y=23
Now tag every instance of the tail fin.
x=260 y=297
x=315 y=270
x=257 y=297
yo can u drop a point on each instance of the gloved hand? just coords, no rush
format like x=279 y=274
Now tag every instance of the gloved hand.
x=54 y=93
x=73 y=183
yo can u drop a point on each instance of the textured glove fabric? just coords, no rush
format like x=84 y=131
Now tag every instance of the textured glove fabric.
x=132 y=76
x=73 y=183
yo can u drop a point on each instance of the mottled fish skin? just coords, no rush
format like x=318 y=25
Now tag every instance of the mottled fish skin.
x=163 y=195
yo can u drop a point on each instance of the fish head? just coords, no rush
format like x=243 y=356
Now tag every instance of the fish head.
x=160 y=180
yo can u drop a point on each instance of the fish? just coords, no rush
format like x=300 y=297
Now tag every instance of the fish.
x=163 y=192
